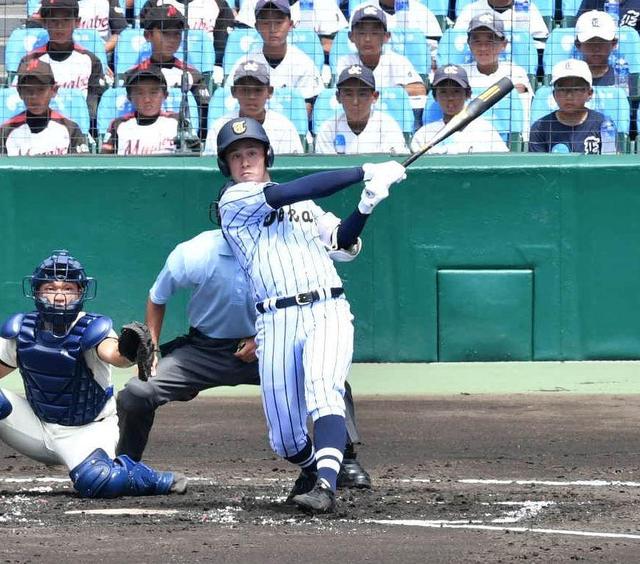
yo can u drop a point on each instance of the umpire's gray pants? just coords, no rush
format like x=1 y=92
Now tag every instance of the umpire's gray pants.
x=189 y=365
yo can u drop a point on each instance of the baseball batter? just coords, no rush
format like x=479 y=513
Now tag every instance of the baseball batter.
x=69 y=415
x=304 y=327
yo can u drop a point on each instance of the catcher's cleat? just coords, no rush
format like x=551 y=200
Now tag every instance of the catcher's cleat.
x=179 y=484
x=321 y=499
x=304 y=484
x=353 y=475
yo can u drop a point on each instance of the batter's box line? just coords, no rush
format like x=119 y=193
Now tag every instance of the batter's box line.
x=553 y=483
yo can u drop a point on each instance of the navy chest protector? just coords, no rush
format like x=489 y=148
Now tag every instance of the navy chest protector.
x=59 y=385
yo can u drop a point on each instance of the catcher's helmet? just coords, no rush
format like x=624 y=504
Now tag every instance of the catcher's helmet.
x=237 y=129
x=59 y=267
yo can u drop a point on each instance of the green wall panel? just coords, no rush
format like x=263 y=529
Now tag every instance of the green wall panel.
x=570 y=220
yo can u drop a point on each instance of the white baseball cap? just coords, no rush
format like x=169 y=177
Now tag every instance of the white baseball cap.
x=571 y=67
x=595 y=24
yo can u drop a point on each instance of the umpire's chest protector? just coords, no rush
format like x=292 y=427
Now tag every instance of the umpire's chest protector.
x=59 y=384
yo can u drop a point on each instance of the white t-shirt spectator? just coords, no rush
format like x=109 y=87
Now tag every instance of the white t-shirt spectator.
x=478 y=137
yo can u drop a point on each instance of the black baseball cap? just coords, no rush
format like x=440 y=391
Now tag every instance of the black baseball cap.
x=369 y=13
x=252 y=69
x=37 y=69
x=164 y=16
x=487 y=20
x=48 y=7
x=145 y=70
x=280 y=5
x=450 y=72
x=359 y=72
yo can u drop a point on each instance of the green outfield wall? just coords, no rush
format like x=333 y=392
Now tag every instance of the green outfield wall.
x=506 y=257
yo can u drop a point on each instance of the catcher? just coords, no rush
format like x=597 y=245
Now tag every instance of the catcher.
x=65 y=356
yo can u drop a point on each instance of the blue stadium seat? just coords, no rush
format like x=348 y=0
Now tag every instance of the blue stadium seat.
x=559 y=46
x=132 y=48
x=461 y=4
x=453 y=48
x=395 y=101
x=240 y=43
x=570 y=12
x=90 y=39
x=114 y=103
x=325 y=107
x=69 y=102
x=341 y=46
x=412 y=45
x=308 y=41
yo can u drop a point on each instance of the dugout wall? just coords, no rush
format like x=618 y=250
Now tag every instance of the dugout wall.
x=505 y=257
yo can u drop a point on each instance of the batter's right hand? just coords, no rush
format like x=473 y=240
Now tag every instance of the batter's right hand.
x=384 y=173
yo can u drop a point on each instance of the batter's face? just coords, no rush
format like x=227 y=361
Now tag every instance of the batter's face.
x=59 y=293
x=596 y=51
x=369 y=37
x=252 y=96
x=36 y=95
x=273 y=26
x=486 y=46
x=451 y=97
x=572 y=93
x=164 y=42
x=247 y=161
x=147 y=96
x=356 y=99
x=60 y=25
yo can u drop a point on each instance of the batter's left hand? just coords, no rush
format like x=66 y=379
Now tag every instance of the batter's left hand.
x=246 y=350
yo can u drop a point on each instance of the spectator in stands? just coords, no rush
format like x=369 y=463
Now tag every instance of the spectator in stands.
x=629 y=11
x=360 y=128
x=573 y=128
x=39 y=130
x=215 y=17
x=163 y=26
x=289 y=65
x=415 y=15
x=252 y=89
x=451 y=90
x=148 y=130
x=512 y=19
x=487 y=41
x=105 y=16
x=369 y=34
x=73 y=66
x=596 y=39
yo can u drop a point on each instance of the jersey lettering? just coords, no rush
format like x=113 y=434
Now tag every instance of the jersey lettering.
x=291 y=215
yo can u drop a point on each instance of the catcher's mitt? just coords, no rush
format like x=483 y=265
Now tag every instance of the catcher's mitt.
x=135 y=344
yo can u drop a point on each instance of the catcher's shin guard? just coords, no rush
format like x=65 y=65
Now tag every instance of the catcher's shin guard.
x=100 y=476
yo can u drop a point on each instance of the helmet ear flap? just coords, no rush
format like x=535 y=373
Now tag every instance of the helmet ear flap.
x=270 y=157
x=224 y=168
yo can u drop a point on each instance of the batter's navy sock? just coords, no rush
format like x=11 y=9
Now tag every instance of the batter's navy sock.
x=306 y=458
x=330 y=435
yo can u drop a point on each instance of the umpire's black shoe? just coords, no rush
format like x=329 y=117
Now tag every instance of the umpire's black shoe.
x=353 y=475
x=304 y=484
x=321 y=499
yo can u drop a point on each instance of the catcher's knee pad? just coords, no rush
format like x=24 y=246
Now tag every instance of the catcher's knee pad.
x=5 y=406
x=136 y=397
x=100 y=476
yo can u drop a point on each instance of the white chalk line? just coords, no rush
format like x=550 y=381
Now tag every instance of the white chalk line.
x=480 y=527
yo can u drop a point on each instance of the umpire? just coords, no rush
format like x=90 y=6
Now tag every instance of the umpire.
x=219 y=349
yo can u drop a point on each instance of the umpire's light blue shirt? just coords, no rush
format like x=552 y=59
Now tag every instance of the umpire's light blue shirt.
x=221 y=305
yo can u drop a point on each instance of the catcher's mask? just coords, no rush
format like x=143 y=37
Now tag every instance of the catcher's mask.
x=59 y=309
x=238 y=129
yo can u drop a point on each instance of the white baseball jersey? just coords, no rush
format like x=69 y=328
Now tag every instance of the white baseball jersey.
x=530 y=21
x=52 y=443
x=128 y=137
x=416 y=16
x=381 y=135
x=392 y=69
x=296 y=70
x=326 y=18
x=283 y=136
x=477 y=137
x=202 y=14
x=105 y=16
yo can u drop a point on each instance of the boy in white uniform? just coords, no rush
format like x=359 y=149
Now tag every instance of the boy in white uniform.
x=252 y=89
x=359 y=129
x=451 y=90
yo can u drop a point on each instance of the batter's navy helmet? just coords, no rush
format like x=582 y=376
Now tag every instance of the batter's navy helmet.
x=237 y=129
x=59 y=267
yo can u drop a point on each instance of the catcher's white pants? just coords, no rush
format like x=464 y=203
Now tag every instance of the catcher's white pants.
x=55 y=444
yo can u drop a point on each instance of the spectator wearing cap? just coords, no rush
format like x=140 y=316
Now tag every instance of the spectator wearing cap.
x=252 y=89
x=39 y=130
x=369 y=34
x=359 y=128
x=163 y=26
x=147 y=130
x=416 y=15
x=288 y=65
x=629 y=11
x=73 y=66
x=530 y=21
x=487 y=41
x=573 y=128
x=214 y=17
x=452 y=91
x=595 y=40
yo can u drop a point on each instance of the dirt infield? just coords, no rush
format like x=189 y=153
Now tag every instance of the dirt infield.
x=541 y=478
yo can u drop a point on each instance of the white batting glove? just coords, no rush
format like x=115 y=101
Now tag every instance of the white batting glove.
x=387 y=172
x=372 y=194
